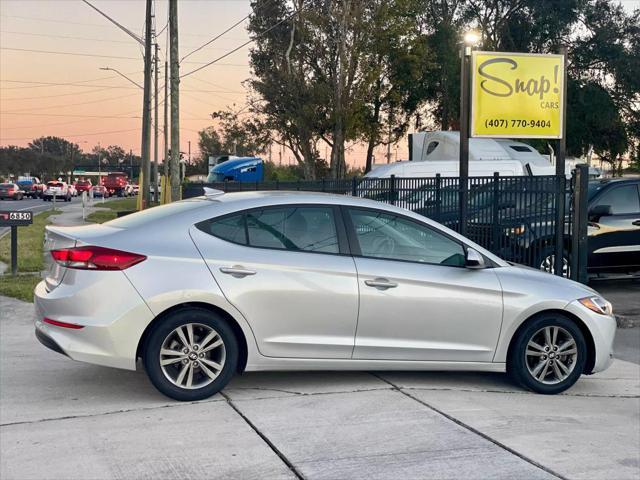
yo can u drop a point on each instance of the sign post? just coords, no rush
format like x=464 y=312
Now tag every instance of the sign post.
x=14 y=220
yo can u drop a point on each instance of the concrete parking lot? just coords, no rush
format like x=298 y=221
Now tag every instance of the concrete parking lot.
x=62 y=420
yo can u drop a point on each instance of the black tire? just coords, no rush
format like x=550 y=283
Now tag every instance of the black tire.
x=160 y=332
x=518 y=368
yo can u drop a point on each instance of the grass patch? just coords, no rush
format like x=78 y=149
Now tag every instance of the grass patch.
x=114 y=206
x=30 y=243
x=20 y=286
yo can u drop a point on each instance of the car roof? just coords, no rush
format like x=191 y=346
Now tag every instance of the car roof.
x=256 y=199
x=614 y=181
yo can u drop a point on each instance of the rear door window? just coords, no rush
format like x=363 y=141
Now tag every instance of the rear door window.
x=299 y=228
x=309 y=229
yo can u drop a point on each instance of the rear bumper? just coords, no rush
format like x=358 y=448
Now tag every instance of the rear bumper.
x=49 y=342
x=111 y=329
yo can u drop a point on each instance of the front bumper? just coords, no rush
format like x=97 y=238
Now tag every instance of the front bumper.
x=603 y=331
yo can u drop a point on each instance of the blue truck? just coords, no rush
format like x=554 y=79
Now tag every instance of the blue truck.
x=243 y=169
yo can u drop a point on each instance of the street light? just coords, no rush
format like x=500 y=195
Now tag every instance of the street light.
x=123 y=76
x=471 y=38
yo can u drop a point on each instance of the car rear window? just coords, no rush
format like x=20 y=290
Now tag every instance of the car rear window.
x=149 y=215
x=54 y=184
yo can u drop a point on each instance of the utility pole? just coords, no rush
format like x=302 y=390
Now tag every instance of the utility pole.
x=175 y=100
x=155 y=132
x=145 y=171
x=166 y=132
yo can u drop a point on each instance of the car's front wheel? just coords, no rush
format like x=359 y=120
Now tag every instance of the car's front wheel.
x=548 y=355
x=191 y=354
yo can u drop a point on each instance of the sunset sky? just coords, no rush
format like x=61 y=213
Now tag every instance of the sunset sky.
x=51 y=52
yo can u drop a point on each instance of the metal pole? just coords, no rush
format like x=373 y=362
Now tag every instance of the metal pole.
x=465 y=62
x=146 y=111
x=166 y=121
x=560 y=175
x=155 y=134
x=175 y=100
x=579 y=229
x=14 y=250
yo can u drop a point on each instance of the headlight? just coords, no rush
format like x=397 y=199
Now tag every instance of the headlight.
x=519 y=230
x=597 y=304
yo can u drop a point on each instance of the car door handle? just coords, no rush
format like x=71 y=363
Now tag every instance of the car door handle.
x=381 y=283
x=636 y=223
x=237 y=271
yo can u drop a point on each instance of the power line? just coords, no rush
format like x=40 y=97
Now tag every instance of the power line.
x=77 y=104
x=264 y=32
x=70 y=37
x=104 y=87
x=65 y=115
x=119 y=25
x=44 y=84
x=61 y=123
x=215 y=38
x=40 y=19
x=77 y=134
x=60 y=94
x=107 y=56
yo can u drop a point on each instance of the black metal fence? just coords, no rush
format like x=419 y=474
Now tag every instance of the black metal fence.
x=516 y=218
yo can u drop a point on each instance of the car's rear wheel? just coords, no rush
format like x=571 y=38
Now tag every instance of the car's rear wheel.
x=548 y=355
x=191 y=354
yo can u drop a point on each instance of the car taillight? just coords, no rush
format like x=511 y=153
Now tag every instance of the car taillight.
x=58 y=323
x=96 y=258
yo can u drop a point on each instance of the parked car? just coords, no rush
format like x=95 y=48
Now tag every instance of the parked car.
x=57 y=189
x=135 y=188
x=613 y=232
x=83 y=185
x=100 y=191
x=280 y=280
x=31 y=185
x=11 y=190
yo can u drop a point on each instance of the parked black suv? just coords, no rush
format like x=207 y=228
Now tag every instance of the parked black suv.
x=614 y=226
x=527 y=232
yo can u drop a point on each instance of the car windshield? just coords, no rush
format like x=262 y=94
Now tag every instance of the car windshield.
x=594 y=188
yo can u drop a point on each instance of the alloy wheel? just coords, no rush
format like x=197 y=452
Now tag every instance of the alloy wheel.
x=192 y=356
x=551 y=355
x=549 y=262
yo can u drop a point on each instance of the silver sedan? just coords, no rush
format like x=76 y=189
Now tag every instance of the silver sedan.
x=205 y=288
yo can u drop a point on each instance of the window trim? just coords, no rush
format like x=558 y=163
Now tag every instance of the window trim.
x=343 y=244
x=354 y=243
x=606 y=191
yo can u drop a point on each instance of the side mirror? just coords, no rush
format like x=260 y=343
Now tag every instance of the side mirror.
x=600 y=211
x=474 y=259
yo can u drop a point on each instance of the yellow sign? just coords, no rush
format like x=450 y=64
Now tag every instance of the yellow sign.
x=516 y=95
